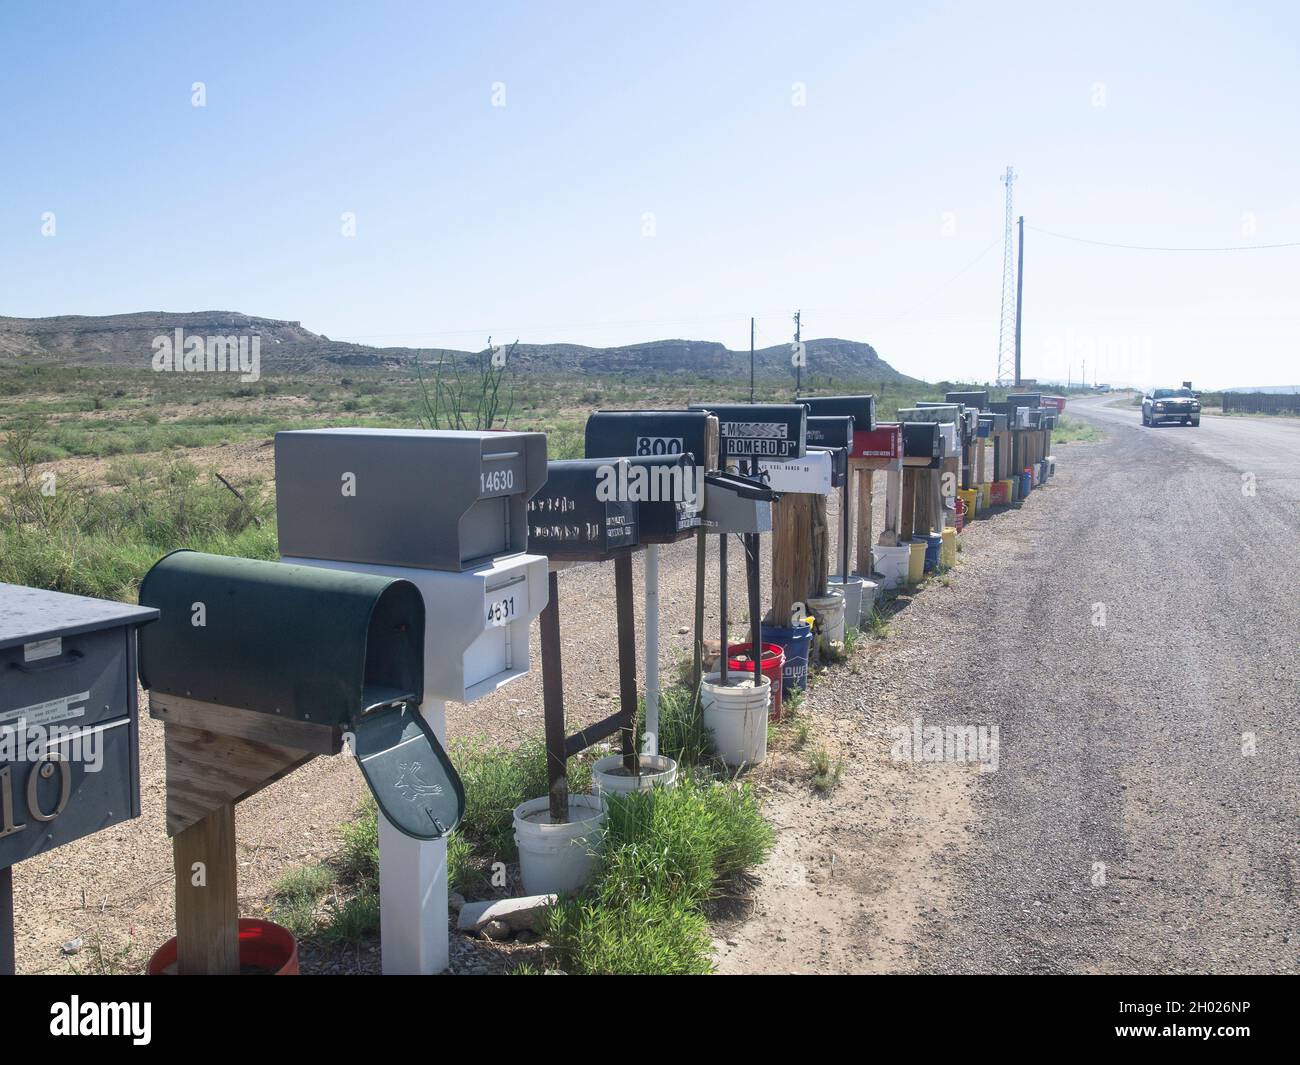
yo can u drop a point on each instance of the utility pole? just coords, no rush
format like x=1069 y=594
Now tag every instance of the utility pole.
x=798 y=360
x=1006 y=354
x=1020 y=285
x=751 y=360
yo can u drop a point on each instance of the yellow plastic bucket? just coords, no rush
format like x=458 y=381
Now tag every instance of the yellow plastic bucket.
x=916 y=562
x=948 y=550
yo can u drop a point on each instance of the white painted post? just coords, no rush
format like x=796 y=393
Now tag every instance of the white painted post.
x=652 y=648
x=413 y=930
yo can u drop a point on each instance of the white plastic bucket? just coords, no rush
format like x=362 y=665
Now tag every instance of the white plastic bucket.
x=736 y=714
x=558 y=859
x=608 y=778
x=829 y=612
x=891 y=564
x=872 y=589
x=851 y=590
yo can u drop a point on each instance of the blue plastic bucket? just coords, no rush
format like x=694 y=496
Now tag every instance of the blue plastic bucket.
x=1026 y=484
x=933 y=545
x=795 y=642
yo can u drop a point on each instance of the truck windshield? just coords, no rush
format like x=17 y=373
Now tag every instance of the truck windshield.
x=1173 y=393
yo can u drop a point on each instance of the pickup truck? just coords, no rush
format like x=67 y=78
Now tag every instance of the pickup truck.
x=1171 y=405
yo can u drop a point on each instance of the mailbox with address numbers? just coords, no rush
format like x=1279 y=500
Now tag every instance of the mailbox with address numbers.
x=653 y=433
x=582 y=514
x=68 y=718
x=69 y=726
x=446 y=511
x=437 y=499
x=760 y=430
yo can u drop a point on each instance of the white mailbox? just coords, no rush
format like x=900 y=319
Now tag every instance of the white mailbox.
x=476 y=621
x=810 y=475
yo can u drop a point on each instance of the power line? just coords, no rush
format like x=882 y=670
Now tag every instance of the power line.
x=1150 y=247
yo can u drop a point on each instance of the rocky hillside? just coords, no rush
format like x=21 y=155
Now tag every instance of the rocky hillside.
x=127 y=340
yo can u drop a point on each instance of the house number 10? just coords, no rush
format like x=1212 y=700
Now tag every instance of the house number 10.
x=46 y=768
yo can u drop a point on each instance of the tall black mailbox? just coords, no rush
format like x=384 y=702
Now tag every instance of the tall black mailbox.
x=979 y=399
x=760 y=430
x=831 y=431
x=922 y=440
x=582 y=513
x=651 y=434
x=69 y=727
x=669 y=493
x=862 y=409
x=335 y=648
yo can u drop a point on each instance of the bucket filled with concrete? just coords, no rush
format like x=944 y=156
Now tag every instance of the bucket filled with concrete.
x=735 y=712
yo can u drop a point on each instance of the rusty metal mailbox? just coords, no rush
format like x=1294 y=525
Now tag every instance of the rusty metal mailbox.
x=68 y=718
x=332 y=648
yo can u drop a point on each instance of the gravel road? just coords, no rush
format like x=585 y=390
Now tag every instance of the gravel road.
x=1146 y=813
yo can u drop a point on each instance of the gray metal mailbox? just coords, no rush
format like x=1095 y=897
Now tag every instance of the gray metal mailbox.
x=333 y=648
x=433 y=499
x=69 y=761
x=736 y=504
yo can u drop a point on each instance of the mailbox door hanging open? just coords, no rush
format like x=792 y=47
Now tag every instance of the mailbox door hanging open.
x=339 y=650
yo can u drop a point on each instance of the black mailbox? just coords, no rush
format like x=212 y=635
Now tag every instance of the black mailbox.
x=1035 y=418
x=760 y=430
x=1026 y=399
x=69 y=726
x=582 y=513
x=831 y=431
x=979 y=400
x=862 y=409
x=922 y=440
x=652 y=434
x=669 y=493
x=331 y=647
x=1049 y=421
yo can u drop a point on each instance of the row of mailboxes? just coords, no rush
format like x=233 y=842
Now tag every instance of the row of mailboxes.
x=69 y=720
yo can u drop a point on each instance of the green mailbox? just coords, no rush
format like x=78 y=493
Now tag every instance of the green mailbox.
x=333 y=648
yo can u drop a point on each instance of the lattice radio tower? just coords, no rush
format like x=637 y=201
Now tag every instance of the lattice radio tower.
x=1007 y=330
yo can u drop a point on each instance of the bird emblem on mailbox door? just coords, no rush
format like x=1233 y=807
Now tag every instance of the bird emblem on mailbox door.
x=410 y=784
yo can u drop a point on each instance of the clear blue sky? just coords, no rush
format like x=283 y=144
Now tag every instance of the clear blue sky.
x=866 y=207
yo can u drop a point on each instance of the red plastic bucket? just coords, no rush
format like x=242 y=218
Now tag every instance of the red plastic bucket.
x=740 y=660
x=264 y=947
x=961 y=514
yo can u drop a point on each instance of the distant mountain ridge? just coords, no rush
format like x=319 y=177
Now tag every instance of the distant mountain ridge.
x=127 y=340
